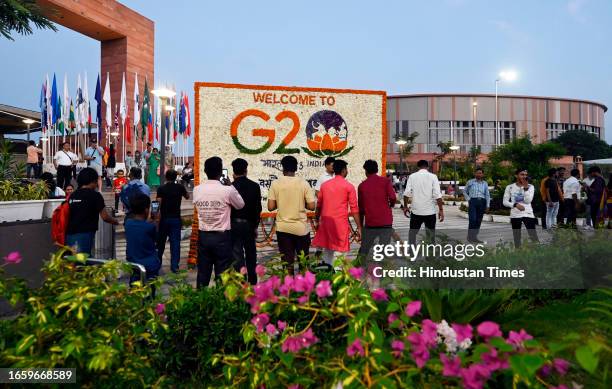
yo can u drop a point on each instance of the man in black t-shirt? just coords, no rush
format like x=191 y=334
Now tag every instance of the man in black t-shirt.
x=85 y=205
x=170 y=196
x=245 y=221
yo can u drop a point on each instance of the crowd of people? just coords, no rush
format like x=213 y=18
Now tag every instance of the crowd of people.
x=229 y=211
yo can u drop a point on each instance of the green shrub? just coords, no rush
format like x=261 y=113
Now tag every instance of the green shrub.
x=13 y=190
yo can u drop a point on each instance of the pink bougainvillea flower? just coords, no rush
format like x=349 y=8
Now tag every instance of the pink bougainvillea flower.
x=380 y=295
x=243 y=270
x=160 y=308
x=413 y=308
x=463 y=331
x=281 y=325
x=323 y=289
x=517 y=338
x=14 y=257
x=295 y=343
x=488 y=329
x=294 y=386
x=303 y=299
x=452 y=367
x=287 y=286
x=420 y=353
x=429 y=330
x=260 y=270
x=392 y=318
x=355 y=348
x=475 y=376
x=271 y=330
x=492 y=361
x=304 y=283
x=561 y=386
x=561 y=365
x=260 y=321
x=398 y=348
x=356 y=272
x=545 y=370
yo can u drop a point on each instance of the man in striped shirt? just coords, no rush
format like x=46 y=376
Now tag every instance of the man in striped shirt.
x=476 y=192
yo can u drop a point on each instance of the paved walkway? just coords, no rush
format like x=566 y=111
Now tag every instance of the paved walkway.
x=454 y=226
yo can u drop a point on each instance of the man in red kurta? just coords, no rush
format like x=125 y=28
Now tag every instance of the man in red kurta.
x=336 y=199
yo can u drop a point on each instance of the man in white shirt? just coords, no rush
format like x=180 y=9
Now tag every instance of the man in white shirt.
x=328 y=175
x=63 y=160
x=571 y=194
x=423 y=188
x=94 y=155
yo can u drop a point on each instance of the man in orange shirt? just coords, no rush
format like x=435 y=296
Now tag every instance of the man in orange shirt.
x=32 y=161
x=335 y=200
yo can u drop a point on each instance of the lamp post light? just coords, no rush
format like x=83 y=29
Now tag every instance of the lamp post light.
x=164 y=95
x=28 y=122
x=474 y=138
x=400 y=142
x=454 y=149
x=507 y=75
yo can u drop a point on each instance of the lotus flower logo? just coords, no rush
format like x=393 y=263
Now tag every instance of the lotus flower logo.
x=326 y=135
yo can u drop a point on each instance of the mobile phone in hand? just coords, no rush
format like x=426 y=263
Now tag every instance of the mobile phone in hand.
x=154 y=208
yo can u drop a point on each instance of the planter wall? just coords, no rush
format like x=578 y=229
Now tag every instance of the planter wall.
x=11 y=211
x=50 y=206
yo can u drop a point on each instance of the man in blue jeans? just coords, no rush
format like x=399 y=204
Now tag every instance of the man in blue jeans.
x=476 y=192
x=85 y=205
x=133 y=188
x=170 y=196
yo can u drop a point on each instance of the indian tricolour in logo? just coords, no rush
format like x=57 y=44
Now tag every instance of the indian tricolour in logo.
x=326 y=135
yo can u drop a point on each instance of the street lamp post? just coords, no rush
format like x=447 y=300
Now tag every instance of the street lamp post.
x=454 y=149
x=400 y=142
x=474 y=107
x=164 y=95
x=28 y=122
x=507 y=75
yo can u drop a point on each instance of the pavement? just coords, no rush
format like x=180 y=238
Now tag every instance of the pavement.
x=454 y=227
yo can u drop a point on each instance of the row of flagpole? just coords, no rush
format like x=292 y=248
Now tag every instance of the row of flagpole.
x=61 y=116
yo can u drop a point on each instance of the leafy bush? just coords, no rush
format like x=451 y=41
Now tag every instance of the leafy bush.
x=83 y=318
x=12 y=190
x=9 y=168
x=384 y=343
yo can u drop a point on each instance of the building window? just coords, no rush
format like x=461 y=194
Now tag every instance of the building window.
x=405 y=130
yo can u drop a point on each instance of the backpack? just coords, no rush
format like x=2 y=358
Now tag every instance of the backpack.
x=59 y=223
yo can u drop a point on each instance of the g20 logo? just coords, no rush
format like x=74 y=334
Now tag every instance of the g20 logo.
x=326 y=133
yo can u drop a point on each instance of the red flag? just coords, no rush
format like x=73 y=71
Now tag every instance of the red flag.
x=127 y=129
x=188 y=119
x=150 y=128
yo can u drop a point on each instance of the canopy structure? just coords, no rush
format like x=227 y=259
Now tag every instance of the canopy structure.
x=12 y=120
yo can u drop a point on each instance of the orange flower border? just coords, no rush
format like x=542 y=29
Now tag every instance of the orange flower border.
x=193 y=245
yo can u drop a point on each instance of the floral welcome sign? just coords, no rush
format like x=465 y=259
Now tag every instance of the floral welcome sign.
x=262 y=124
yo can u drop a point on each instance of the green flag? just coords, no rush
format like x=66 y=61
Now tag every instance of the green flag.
x=71 y=120
x=61 y=119
x=145 y=111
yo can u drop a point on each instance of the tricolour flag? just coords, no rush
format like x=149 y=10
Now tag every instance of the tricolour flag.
x=106 y=97
x=123 y=112
x=136 y=107
x=71 y=119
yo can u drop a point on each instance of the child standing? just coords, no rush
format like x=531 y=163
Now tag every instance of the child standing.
x=117 y=185
x=141 y=237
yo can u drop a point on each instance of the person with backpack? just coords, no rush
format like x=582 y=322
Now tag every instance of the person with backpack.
x=134 y=187
x=85 y=205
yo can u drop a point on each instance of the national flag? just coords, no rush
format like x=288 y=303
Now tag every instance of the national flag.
x=62 y=118
x=145 y=114
x=175 y=116
x=182 y=115
x=187 y=118
x=123 y=112
x=150 y=126
x=42 y=104
x=66 y=107
x=106 y=97
x=116 y=118
x=98 y=98
x=136 y=107
x=71 y=119
x=49 y=108
x=86 y=108
x=54 y=106
x=80 y=106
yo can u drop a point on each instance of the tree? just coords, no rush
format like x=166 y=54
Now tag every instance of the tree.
x=522 y=153
x=444 y=151
x=585 y=144
x=16 y=15
x=406 y=149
